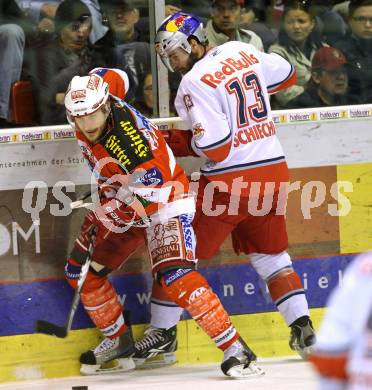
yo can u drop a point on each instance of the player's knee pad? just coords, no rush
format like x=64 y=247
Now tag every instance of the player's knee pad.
x=284 y=286
x=190 y=290
x=183 y=284
x=282 y=281
x=102 y=304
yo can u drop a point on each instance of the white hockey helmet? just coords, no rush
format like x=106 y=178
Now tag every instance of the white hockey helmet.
x=85 y=95
x=175 y=32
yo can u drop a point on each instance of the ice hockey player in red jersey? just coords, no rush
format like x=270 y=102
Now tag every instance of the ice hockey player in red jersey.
x=224 y=99
x=143 y=198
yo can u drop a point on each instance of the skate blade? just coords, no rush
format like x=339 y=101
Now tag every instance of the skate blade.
x=116 y=365
x=239 y=372
x=305 y=352
x=160 y=360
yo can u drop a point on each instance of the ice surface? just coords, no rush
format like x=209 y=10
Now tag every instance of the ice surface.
x=281 y=374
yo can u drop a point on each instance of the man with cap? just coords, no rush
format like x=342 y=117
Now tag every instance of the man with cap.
x=72 y=25
x=42 y=13
x=224 y=25
x=52 y=66
x=328 y=85
x=130 y=41
x=123 y=18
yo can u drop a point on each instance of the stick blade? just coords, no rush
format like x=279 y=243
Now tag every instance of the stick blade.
x=48 y=328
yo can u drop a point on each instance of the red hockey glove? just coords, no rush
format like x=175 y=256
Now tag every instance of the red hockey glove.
x=91 y=223
x=119 y=207
x=180 y=142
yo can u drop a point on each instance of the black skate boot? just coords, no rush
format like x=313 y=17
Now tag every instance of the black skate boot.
x=157 y=348
x=240 y=361
x=302 y=337
x=111 y=355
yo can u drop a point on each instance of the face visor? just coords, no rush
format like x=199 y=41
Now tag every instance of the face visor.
x=170 y=47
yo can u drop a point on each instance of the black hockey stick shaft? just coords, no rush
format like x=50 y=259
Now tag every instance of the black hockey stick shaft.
x=62 y=331
x=85 y=195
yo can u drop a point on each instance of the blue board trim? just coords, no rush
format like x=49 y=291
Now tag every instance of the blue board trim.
x=238 y=286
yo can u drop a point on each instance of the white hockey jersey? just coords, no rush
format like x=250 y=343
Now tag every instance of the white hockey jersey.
x=343 y=354
x=224 y=99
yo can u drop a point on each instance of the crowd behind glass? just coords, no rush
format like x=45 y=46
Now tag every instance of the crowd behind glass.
x=44 y=43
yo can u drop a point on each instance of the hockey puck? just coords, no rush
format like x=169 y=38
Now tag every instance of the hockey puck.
x=79 y=388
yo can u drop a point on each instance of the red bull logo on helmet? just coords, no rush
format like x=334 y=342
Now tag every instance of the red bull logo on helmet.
x=176 y=24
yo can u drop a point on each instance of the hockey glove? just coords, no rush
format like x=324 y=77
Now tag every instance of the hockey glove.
x=86 y=231
x=180 y=142
x=120 y=207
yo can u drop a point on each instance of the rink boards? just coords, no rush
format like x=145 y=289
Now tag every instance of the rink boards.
x=327 y=157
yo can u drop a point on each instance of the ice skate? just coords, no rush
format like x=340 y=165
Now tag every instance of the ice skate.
x=157 y=348
x=111 y=355
x=302 y=339
x=240 y=361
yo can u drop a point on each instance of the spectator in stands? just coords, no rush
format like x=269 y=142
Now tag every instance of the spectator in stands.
x=42 y=13
x=172 y=6
x=143 y=24
x=331 y=23
x=52 y=67
x=12 y=42
x=135 y=59
x=328 y=84
x=254 y=18
x=298 y=41
x=342 y=8
x=145 y=102
x=131 y=44
x=122 y=18
x=201 y=8
x=357 y=48
x=277 y=9
x=224 y=25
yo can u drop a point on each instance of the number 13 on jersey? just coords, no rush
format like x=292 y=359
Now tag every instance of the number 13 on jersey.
x=240 y=87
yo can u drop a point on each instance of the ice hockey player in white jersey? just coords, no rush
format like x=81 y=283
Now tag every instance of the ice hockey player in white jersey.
x=224 y=99
x=343 y=351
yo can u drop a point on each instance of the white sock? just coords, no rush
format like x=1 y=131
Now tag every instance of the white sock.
x=163 y=315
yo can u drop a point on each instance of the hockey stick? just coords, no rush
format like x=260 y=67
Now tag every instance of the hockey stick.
x=62 y=331
x=80 y=202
